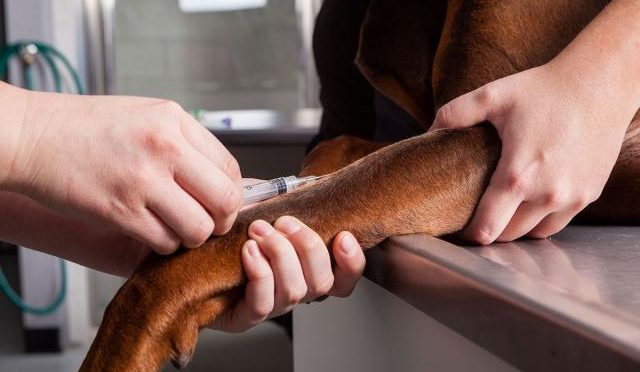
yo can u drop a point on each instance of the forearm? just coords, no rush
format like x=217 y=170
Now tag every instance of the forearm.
x=12 y=106
x=605 y=57
x=27 y=223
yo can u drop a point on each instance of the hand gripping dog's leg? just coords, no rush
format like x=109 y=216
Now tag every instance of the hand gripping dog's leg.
x=426 y=184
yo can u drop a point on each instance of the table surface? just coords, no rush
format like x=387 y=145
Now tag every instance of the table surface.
x=579 y=290
x=598 y=265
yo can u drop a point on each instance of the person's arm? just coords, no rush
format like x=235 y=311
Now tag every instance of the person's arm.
x=25 y=222
x=13 y=103
x=561 y=125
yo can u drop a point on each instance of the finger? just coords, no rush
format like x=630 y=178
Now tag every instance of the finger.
x=527 y=216
x=350 y=264
x=211 y=187
x=150 y=230
x=289 y=279
x=312 y=253
x=553 y=223
x=495 y=209
x=211 y=148
x=183 y=214
x=258 y=299
x=469 y=109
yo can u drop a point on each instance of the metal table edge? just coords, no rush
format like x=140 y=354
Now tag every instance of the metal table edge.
x=614 y=330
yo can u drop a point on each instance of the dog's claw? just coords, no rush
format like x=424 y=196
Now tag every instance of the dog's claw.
x=181 y=361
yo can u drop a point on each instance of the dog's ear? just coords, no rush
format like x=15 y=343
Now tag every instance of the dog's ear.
x=396 y=52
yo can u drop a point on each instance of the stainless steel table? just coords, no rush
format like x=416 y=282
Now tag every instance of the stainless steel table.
x=571 y=302
x=251 y=127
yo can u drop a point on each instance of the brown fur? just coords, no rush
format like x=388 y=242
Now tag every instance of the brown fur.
x=427 y=184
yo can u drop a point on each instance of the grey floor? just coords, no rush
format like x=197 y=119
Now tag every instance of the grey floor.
x=263 y=348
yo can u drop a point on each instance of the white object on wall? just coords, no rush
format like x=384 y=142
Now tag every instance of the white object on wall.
x=190 y=6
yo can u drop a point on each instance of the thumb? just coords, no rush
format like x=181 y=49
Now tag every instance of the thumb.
x=468 y=109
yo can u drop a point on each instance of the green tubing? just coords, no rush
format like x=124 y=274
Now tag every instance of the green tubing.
x=44 y=310
x=49 y=54
x=57 y=80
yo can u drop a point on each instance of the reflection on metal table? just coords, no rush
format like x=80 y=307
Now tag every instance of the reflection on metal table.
x=571 y=302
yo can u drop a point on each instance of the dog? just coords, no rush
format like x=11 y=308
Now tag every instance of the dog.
x=420 y=55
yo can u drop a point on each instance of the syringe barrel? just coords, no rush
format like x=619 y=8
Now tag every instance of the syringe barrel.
x=260 y=191
x=274 y=187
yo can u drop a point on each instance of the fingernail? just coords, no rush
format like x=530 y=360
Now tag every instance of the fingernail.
x=261 y=228
x=349 y=244
x=288 y=225
x=252 y=248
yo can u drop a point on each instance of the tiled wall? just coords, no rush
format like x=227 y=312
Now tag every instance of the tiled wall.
x=227 y=60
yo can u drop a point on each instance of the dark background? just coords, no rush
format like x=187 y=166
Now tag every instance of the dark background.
x=2 y=30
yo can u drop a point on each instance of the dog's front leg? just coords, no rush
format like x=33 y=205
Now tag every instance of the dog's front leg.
x=427 y=184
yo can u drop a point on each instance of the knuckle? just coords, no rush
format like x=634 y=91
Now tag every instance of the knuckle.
x=222 y=226
x=515 y=182
x=486 y=94
x=201 y=231
x=275 y=246
x=230 y=200
x=553 y=198
x=262 y=309
x=308 y=242
x=171 y=107
x=165 y=247
x=320 y=288
x=127 y=203
x=162 y=143
x=582 y=199
x=444 y=114
x=294 y=294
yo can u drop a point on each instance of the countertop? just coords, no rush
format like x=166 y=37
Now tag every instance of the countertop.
x=256 y=127
x=568 y=302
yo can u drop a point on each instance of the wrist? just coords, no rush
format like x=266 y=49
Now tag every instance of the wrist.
x=594 y=89
x=606 y=57
x=13 y=109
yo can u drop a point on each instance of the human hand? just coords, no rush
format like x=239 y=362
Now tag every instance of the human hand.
x=141 y=165
x=286 y=264
x=560 y=141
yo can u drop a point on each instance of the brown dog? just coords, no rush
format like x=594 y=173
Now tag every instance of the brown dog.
x=414 y=54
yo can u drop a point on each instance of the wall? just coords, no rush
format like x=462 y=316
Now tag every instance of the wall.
x=223 y=60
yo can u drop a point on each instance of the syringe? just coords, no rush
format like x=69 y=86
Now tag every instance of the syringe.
x=269 y=189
